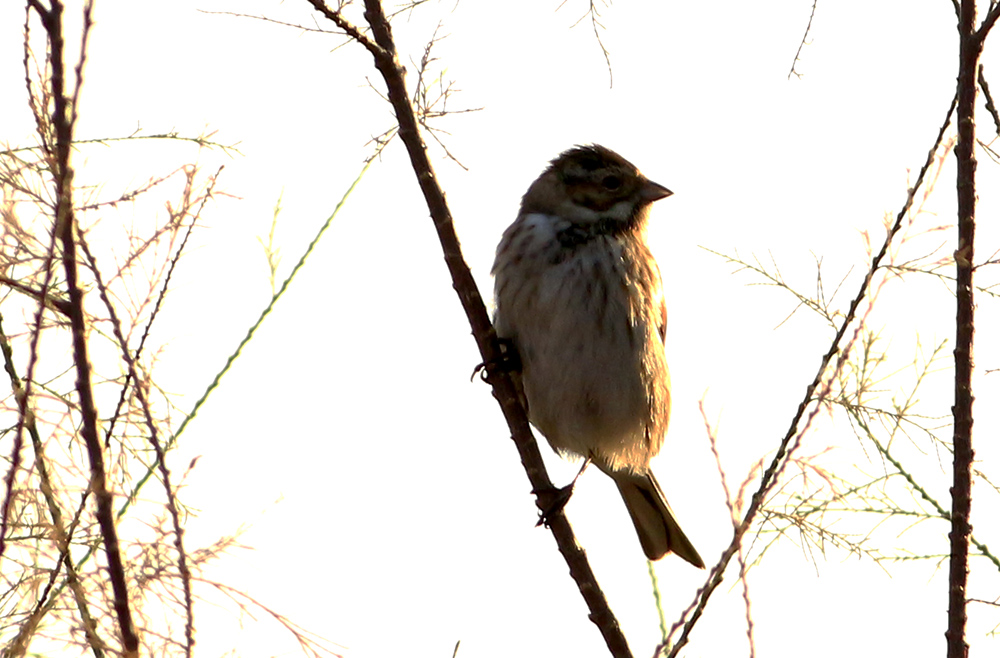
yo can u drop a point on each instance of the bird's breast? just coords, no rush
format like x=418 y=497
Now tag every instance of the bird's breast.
x=584 y=319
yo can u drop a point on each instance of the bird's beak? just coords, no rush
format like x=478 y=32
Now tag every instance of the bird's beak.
x=651 y=192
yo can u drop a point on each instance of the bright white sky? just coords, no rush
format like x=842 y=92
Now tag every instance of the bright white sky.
x=388 y=509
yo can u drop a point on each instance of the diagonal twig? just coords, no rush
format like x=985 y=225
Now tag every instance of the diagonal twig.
x=769 y=477
x=802 y=42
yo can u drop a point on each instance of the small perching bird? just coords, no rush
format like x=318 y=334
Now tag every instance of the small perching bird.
x=580 y=299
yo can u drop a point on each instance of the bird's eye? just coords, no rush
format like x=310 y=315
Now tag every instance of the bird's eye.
x=611 y=182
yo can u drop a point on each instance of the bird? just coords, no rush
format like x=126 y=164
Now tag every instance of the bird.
x=579 y=300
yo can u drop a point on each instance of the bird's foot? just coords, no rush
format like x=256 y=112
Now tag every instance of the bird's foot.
x=509 y=361
x=552 y=501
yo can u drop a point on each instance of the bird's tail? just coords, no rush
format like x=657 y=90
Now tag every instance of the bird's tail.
x=659 y=532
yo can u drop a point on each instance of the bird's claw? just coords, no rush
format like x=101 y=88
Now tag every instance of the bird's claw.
x=509 y=361
x=551 y=502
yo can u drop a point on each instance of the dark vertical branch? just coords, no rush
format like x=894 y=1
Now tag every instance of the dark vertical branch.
x=970 y=46
x=62 y=121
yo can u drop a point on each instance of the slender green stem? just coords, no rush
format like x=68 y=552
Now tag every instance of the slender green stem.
x=246 y=339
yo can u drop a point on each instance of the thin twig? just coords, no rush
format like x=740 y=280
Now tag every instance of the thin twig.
x=19 y=644
x=173 y=136
x=250 y=333
x=597 y=26
x=153 y=437
x=802 y=43
x=158 y=304
x=990 y=106
x=267 y=19
x=732 y=506
x=768 y=478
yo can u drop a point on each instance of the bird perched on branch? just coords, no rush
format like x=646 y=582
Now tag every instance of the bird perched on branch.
x=580 y=299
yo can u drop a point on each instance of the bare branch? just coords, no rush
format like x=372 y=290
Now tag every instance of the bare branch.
x=987 y=24
x=19 y=644
x=733 y=507
x=385 y=56
x=349 y=28
x=64 y=114
x=597 y=26
x=802 y=43
x=990 y=107
x=153 y=437
x=790 y=441
x=269 y=20
x=970 y=49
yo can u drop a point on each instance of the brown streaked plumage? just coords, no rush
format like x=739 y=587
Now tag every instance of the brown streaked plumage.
x=579 y=295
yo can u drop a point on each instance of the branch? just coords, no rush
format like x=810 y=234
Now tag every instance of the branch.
x=19 y=644
x=161 y=462
x=970 y=48
x=42 y=126
x=351 y=30
x=63 y=119
x=384 y=52
x=990 y=106
x=597 y=26
x=988 y=23
x=802 y=43
x=769 y=477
